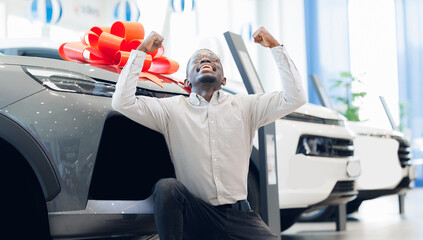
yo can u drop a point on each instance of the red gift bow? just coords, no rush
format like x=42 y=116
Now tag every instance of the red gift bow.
x=112 y=46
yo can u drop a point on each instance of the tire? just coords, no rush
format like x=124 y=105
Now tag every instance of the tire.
x=353 y=205
x=289 y=217
x=26 y=212
x=319 y=215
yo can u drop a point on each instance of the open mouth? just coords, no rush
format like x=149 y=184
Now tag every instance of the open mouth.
x=207 y=67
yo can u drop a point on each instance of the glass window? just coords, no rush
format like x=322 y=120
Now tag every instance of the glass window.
x=373 y=57
x=19 y=27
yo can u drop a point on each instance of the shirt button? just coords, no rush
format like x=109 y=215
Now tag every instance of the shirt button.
x=213 y=140
x=216 y=178
x=211 y=122
x=215 y=159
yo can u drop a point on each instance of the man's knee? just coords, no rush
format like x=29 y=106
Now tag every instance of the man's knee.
x=168 y=188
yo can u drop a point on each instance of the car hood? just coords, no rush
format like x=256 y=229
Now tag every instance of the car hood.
x=86 y=69
x=362 y=129
x=101 y=72
x=319 y=111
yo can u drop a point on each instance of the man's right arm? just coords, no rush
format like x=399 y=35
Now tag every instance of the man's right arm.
x=147 y=111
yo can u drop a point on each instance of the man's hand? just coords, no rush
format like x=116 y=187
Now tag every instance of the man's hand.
x=263 y=37
x=151 y=43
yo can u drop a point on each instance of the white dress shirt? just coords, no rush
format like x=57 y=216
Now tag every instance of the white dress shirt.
x=210 y=142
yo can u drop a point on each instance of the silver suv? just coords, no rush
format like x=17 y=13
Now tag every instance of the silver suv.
x=80 y=169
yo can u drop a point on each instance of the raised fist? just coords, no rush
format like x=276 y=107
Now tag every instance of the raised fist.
x=264 y=38
x=152 y=42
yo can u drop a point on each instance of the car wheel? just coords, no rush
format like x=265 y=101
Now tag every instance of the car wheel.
x=289 y=217
x=26 y=214
x=353 y=205
x=319 y=215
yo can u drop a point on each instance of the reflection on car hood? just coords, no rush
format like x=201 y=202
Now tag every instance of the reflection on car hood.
x=362 y=129
x=319 y=111
x=61 y=64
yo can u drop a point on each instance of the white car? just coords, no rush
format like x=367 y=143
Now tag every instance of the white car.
x=315 y=162
x=385 y=157
x=380 y=147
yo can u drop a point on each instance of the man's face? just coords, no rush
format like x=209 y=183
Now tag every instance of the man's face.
x=204 y=67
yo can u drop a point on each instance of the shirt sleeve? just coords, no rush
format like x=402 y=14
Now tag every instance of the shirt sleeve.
x=269 y=107
x=148 y=111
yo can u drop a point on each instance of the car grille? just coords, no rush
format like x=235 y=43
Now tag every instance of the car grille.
x=325 y=146
x=343 y=186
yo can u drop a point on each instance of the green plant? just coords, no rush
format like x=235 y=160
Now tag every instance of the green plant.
x=351 y=98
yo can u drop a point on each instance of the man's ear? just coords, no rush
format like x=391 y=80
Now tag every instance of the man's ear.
x=223 y=81
x=187 y=83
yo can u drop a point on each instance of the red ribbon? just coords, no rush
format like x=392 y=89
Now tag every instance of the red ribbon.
x=113 y=45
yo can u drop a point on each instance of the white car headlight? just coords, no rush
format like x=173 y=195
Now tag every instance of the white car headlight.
x=325 y=147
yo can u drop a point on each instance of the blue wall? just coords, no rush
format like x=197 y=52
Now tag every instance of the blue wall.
x=409 y=14
x=327 y=43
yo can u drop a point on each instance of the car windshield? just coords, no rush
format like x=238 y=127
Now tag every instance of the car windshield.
x=373 y=114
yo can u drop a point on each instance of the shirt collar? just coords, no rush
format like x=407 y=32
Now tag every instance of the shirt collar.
x=197 y=100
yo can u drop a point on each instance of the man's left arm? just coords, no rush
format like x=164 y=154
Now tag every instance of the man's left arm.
x=269 y=107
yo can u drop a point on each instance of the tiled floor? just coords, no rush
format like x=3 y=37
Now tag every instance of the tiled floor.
x=377 y=219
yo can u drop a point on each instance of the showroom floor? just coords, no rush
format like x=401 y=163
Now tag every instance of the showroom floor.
x=377 y=219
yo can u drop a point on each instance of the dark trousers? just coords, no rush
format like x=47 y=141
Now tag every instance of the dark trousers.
x=181 y=215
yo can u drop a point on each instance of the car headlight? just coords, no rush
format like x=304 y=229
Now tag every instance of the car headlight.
x=67 y=81
x=325 y=147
